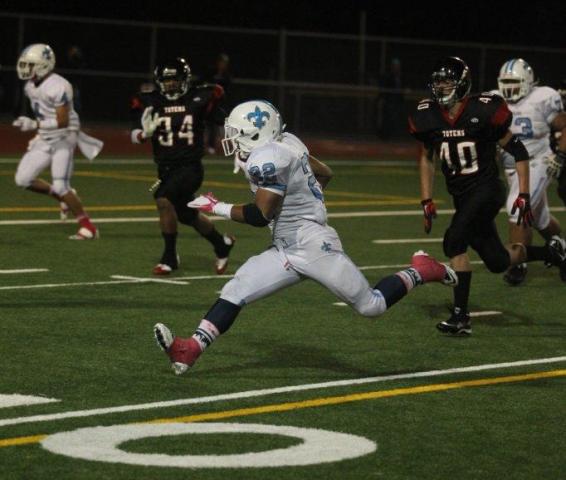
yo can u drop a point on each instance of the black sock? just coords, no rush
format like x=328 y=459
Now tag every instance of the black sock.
x=392 y=288
x=170 y=240
x=462 y=291
x=539 y=254
x=220 y=248
x=222 y=314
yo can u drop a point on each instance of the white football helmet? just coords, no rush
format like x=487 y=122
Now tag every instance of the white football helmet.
x=251 y=125
x=516 y=79
x=35 y=62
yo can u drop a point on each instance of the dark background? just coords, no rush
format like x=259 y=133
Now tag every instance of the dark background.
x=320 y=87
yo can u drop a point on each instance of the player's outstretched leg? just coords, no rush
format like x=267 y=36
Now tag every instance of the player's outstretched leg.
x=182 y=352
x=423 y=269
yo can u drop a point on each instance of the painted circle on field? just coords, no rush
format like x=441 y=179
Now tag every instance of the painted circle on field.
x=102 y=444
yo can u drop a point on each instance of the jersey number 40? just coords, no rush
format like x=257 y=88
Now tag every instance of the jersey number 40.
x=461 y=158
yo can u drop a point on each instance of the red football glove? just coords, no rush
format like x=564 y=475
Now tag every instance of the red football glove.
x=204 y=203
x=523 y=204
x=429 y=211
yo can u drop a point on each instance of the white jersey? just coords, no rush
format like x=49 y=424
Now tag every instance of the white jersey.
x=54 y=91
x=532 y=116
x=282 y=167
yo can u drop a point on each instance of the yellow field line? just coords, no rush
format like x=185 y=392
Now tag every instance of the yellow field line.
x=324 y=401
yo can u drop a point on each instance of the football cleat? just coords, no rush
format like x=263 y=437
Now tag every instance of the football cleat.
x=458 y=324
x=86 y=233
x=516 y=274
x=183 y=352
x=557 y=251
x=221 y=262
x=432 y=270
x=166 y=266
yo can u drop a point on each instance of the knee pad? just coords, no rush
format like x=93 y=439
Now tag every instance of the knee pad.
x=496 y=260
x=60 y=186
x=234 y=292
x=454 y=244
x=372 y=305
x=22 y=180
x=186 y=215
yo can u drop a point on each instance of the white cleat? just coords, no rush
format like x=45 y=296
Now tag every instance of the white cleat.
x=163 y=336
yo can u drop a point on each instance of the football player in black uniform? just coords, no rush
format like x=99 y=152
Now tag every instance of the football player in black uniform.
x=463 y=130
x=173 y=117
x=557 y=165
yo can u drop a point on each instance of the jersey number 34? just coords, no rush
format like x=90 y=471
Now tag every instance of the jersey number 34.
x=186 y=131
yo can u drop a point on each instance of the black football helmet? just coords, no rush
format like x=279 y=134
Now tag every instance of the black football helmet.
x=450 y=81
x=173 y=78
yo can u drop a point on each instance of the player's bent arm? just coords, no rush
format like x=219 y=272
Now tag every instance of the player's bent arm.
x=62 y=115
x=559 y=125
x=426 y=169
x=322 y=172
x=258 y=214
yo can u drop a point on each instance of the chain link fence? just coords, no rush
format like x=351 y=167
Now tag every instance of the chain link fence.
x=324 y=84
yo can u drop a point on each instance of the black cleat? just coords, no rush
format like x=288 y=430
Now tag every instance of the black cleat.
x=557 y=252
x=458 y=324
x=221 y=262
x=516 y=274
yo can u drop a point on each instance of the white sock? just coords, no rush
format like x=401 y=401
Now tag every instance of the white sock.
x=205 y=334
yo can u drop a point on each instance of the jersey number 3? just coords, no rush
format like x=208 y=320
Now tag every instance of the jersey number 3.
x=462 y=159
x=186 y=131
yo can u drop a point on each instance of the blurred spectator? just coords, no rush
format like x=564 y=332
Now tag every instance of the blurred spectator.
x=219 y=74
x=391 y=105
x=75 y=61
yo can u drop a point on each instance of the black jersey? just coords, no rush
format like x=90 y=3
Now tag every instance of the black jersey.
x=466 y=144
x=180 y=135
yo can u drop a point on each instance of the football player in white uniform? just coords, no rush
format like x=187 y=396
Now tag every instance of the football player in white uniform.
x=57 y=126
x=536 y=111
x=287 y=185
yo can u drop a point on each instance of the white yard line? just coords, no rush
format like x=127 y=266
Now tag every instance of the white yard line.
x=274 y=391
x=16 y=400
x=173 y=281
x=24 y=270
x=393 y=241
x=338 y=215
x=487 y=313
x=149 y=280
x=57 y=285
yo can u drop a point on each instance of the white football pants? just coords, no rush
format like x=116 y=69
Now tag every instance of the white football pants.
x=41 y=155
x=318 y=255
x=538 y=183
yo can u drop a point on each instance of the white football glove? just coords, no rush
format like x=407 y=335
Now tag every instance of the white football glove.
x=209 y=203
x=554 y=165
x=149 y=122
x=25 y=124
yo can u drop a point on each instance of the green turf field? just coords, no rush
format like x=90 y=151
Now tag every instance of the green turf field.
x=77 y=327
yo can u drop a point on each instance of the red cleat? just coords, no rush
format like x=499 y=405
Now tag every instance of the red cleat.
x=432 y=270
x=183 y=352
x=86 y=233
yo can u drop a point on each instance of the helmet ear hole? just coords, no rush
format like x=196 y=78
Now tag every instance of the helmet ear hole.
x=255 y=137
